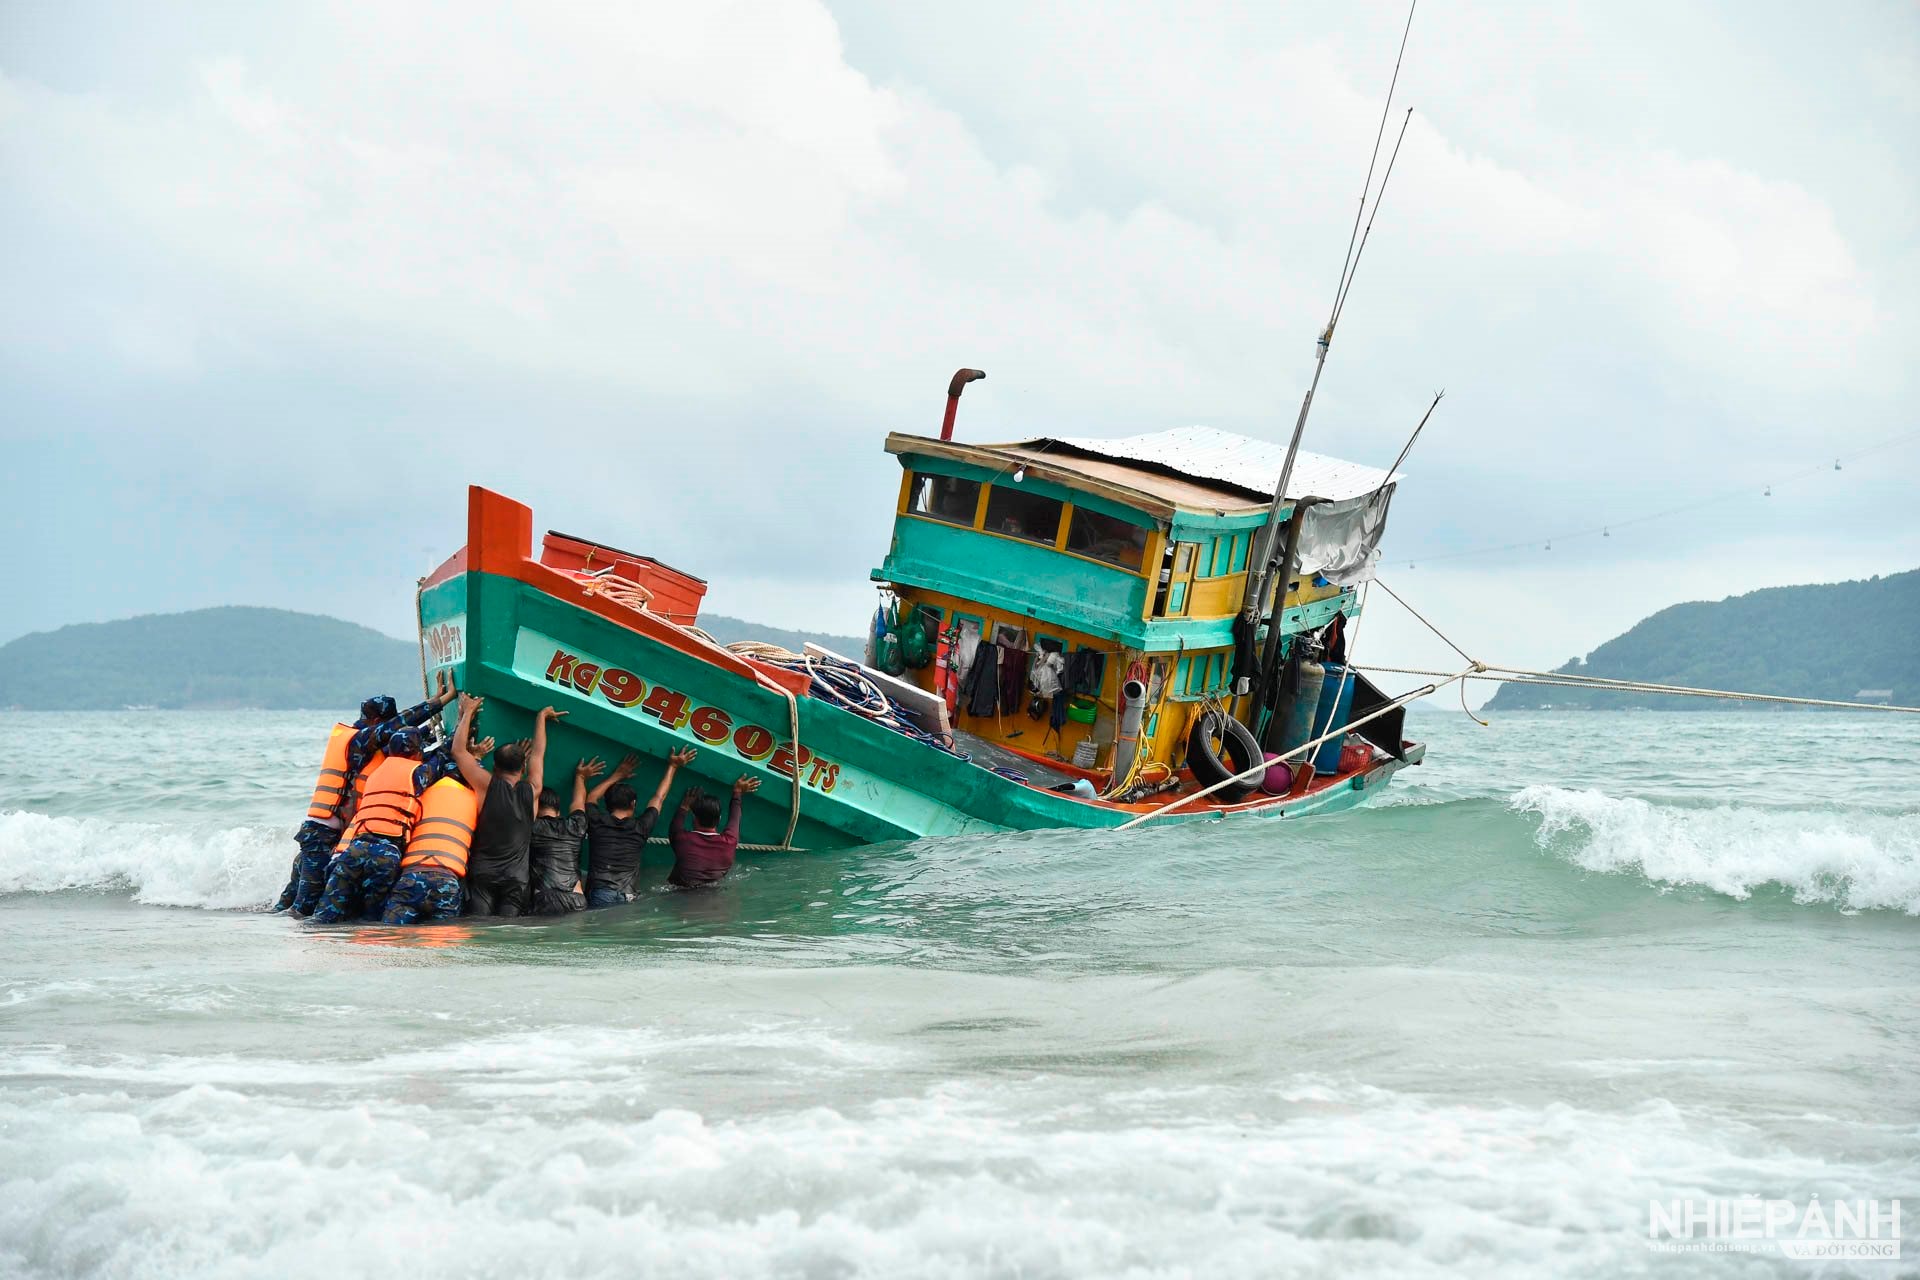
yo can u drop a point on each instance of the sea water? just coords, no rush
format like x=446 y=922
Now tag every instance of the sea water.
x=1572 y=965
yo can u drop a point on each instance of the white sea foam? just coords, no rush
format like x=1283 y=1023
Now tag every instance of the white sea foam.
x=1860 y=861
x=215 y=1181
x=166 y=865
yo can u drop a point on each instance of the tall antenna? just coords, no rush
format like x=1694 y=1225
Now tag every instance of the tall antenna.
x=1263 y=557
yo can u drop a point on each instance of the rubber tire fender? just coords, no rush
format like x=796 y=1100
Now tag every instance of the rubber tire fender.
x=1208 y=768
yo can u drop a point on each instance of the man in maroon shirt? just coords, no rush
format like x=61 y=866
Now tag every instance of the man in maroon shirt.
x=704 y=854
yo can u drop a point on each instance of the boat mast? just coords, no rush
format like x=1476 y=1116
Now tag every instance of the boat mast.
x=1267 y=567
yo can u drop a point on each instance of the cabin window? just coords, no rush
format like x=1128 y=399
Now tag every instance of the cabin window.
x=1107 y=539
x=1222 y=556
x=1021 y=513
x=1242 y=542
x=948 y=498
x=1097 y=665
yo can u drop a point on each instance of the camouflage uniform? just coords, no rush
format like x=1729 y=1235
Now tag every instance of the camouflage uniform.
x=423 y=893
x=358 y=881
x=309 y=875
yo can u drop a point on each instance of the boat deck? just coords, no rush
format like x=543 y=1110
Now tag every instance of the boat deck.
x=1047 y=774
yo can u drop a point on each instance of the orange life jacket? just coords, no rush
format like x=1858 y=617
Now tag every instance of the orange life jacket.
x=374 y=761
x=444 y=831
x=388 y=805
x=330 y=792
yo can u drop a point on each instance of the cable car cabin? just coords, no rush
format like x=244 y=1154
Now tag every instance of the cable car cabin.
x=1127 y=558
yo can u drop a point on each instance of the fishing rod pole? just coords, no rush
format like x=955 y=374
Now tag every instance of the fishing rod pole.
x=1263 y=557
x=1407 y=448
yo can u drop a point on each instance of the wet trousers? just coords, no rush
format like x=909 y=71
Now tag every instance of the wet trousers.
x=423 y=893
x=315 y=841
x=358 y=881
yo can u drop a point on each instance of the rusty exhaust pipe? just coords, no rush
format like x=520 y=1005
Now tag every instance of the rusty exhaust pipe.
x=954 y=388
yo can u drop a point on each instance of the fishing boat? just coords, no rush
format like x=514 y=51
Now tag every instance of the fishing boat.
x=1146 y=606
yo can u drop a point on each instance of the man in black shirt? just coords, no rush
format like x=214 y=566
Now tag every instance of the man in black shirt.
x=555 y=852
x=497 y=867
x=616 y=835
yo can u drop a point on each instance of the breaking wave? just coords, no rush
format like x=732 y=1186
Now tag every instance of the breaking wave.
x=1858 y=861
x=211 y=1180
x=164 y=865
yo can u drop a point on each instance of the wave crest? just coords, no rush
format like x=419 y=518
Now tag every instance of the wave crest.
x=1857 y=861
x=168 y=866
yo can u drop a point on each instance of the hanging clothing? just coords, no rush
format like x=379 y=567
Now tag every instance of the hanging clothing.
x=1082 y=669
x=1045 y=672
x=1013 y=680
x=980 y=693
x=964 y=651
x=1334 y=640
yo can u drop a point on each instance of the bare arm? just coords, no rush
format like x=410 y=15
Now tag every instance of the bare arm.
x=621 y=772
x=471 y=771
x=581 y=772
x=537 y=752
x=742 y=786
x=675 y=762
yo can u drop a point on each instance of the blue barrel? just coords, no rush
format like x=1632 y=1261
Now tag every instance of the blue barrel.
x=1297 y=728
x=1336 y=707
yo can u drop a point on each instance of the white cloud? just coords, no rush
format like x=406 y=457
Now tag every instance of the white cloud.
x=709 y=221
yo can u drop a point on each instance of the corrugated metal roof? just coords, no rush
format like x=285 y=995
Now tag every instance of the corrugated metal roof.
x=1205 y=453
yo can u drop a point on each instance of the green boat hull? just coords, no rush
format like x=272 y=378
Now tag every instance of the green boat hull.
x=522 y=648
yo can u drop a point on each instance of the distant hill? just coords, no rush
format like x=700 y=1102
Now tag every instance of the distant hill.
x=227 y=657
x=237 y=656
x=1825 y=641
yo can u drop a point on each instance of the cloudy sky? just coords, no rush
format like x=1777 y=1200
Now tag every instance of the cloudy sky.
x=277 y=282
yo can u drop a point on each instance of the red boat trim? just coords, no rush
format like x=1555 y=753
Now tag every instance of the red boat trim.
x=452 y=567
x=500 y=542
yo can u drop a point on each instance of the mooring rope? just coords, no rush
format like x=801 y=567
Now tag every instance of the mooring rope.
x=1569 y=680
x=420 y=630
x=793 y=727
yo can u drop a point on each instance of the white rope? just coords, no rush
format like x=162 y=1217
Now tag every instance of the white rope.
x=793 y=725
x=420 y=631
x=1264 y=765
x=1568 y=680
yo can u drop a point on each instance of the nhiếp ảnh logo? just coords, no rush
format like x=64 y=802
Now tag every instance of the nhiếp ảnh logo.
x=1838 y=1229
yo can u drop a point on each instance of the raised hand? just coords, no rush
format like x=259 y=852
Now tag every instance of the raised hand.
x=687 y=798
x=591 y=769
x=482 y=747
x=628 y=766
x=682 y=758
x=548 y=713
x=744 y=785
x=470 y=705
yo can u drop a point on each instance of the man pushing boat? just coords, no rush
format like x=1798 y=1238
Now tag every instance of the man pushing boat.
x=351 y=752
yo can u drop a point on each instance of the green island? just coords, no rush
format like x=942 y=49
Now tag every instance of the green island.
x=1846 y=641
x=239 y=656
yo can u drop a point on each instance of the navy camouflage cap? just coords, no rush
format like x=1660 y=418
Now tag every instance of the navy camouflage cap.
x=379 y=708
x=406 y=742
